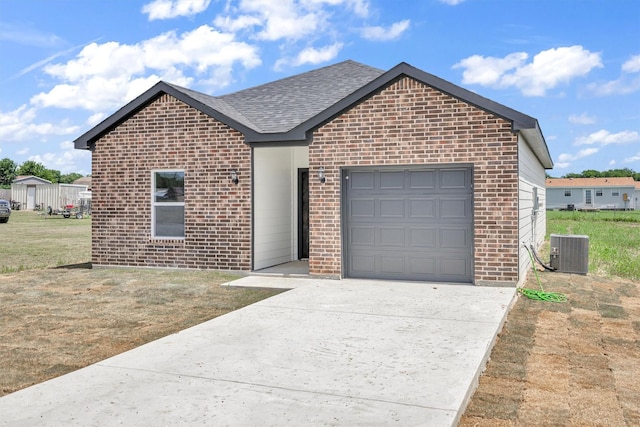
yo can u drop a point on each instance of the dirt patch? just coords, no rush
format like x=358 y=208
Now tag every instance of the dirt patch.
x=57 y=320
x=574 y=363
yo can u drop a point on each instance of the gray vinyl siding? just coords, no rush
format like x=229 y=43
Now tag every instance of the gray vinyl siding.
x=558 y=199
x=532 y=223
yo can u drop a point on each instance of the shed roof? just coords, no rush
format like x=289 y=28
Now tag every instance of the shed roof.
x=288 y=110
x=85 y=180
x=591 y=182
x=30 y=179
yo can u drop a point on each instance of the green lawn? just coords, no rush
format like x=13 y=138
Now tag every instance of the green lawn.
x=614 y=239
x=32 y=240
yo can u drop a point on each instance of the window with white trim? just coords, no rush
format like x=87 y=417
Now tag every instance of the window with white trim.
x=167 y=206
x=598 y=192
x=567 y=193
x=615 y=192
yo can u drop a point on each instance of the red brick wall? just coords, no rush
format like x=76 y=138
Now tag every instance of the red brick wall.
x=168 y=134
x=409 y=123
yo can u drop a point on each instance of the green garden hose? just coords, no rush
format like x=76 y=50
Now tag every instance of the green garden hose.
x=540 y=295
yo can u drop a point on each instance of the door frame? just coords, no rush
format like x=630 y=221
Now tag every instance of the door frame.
x=303 y=211
x=591 y=194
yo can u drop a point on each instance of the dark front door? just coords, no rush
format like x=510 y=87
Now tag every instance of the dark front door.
x=303 y=213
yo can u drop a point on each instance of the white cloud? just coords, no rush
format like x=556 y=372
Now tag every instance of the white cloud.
x=547 y=70
x=582 y=119
x=105 y=76
x=566 y=157
x=621 y=86
x=166 y=9
x=488 y=71
x=383 y=34
x=236 y=24
x=282 y=19
x=632 y=65
x=561 y=165
x=18 y=125
x=312 y=55
x=612 y=163
x=66 y=160
x=604 y=137
x=632 y=159
x=625 y=84
x=96 y=118
x=451 y=2
x=360 y=7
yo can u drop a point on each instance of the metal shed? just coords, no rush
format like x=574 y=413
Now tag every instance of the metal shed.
x=33 y=193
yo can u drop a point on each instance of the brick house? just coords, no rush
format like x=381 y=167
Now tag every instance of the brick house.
x=365 y=173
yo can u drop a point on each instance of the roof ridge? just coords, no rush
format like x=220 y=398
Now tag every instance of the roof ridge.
x=296 y=76
x=218 y=100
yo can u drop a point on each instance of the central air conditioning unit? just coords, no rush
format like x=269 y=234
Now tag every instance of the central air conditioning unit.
x=570 y=253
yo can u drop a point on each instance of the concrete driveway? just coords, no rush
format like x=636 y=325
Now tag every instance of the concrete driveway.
x=349 y=352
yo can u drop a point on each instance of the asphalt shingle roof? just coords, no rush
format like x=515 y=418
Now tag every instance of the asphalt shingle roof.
x=591 y=182
x=287 y=110
x=294 y=100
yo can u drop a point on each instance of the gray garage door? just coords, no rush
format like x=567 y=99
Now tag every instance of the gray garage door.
x=409 y=224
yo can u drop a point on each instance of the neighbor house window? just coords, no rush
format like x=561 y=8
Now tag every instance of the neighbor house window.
x=167 y=210
x=567 y=193
x=615 y=192
x=599 y=193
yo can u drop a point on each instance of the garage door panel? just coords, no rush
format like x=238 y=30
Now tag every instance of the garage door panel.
x=363 y=265
x=422 y=208
x=422 y=266
x=392 y=180
x=362 y=208
x=362 y=180
x=454 y=179
x=392 y=208
x=420 y=180
x=454 y=208
x=423 y=238
x=454 y=238
x=409 y=224
x=363 y=236
x=391 y=265
x=454 y=267
x=392 y=236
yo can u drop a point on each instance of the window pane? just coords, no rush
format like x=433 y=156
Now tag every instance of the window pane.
x=169 y=187
x=169 y=221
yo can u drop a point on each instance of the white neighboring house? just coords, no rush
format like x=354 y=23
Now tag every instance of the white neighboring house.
x=33 y=192
x=593 y=193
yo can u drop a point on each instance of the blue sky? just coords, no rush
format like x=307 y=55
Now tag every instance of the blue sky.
x=572 y=64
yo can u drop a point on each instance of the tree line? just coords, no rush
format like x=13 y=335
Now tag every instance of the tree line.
x=612 y=173
x=9 y=170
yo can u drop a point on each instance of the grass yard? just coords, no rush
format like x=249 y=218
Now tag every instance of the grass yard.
x=31 y=240
x=614 y=239
x=574 y=363
x=58 y=315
